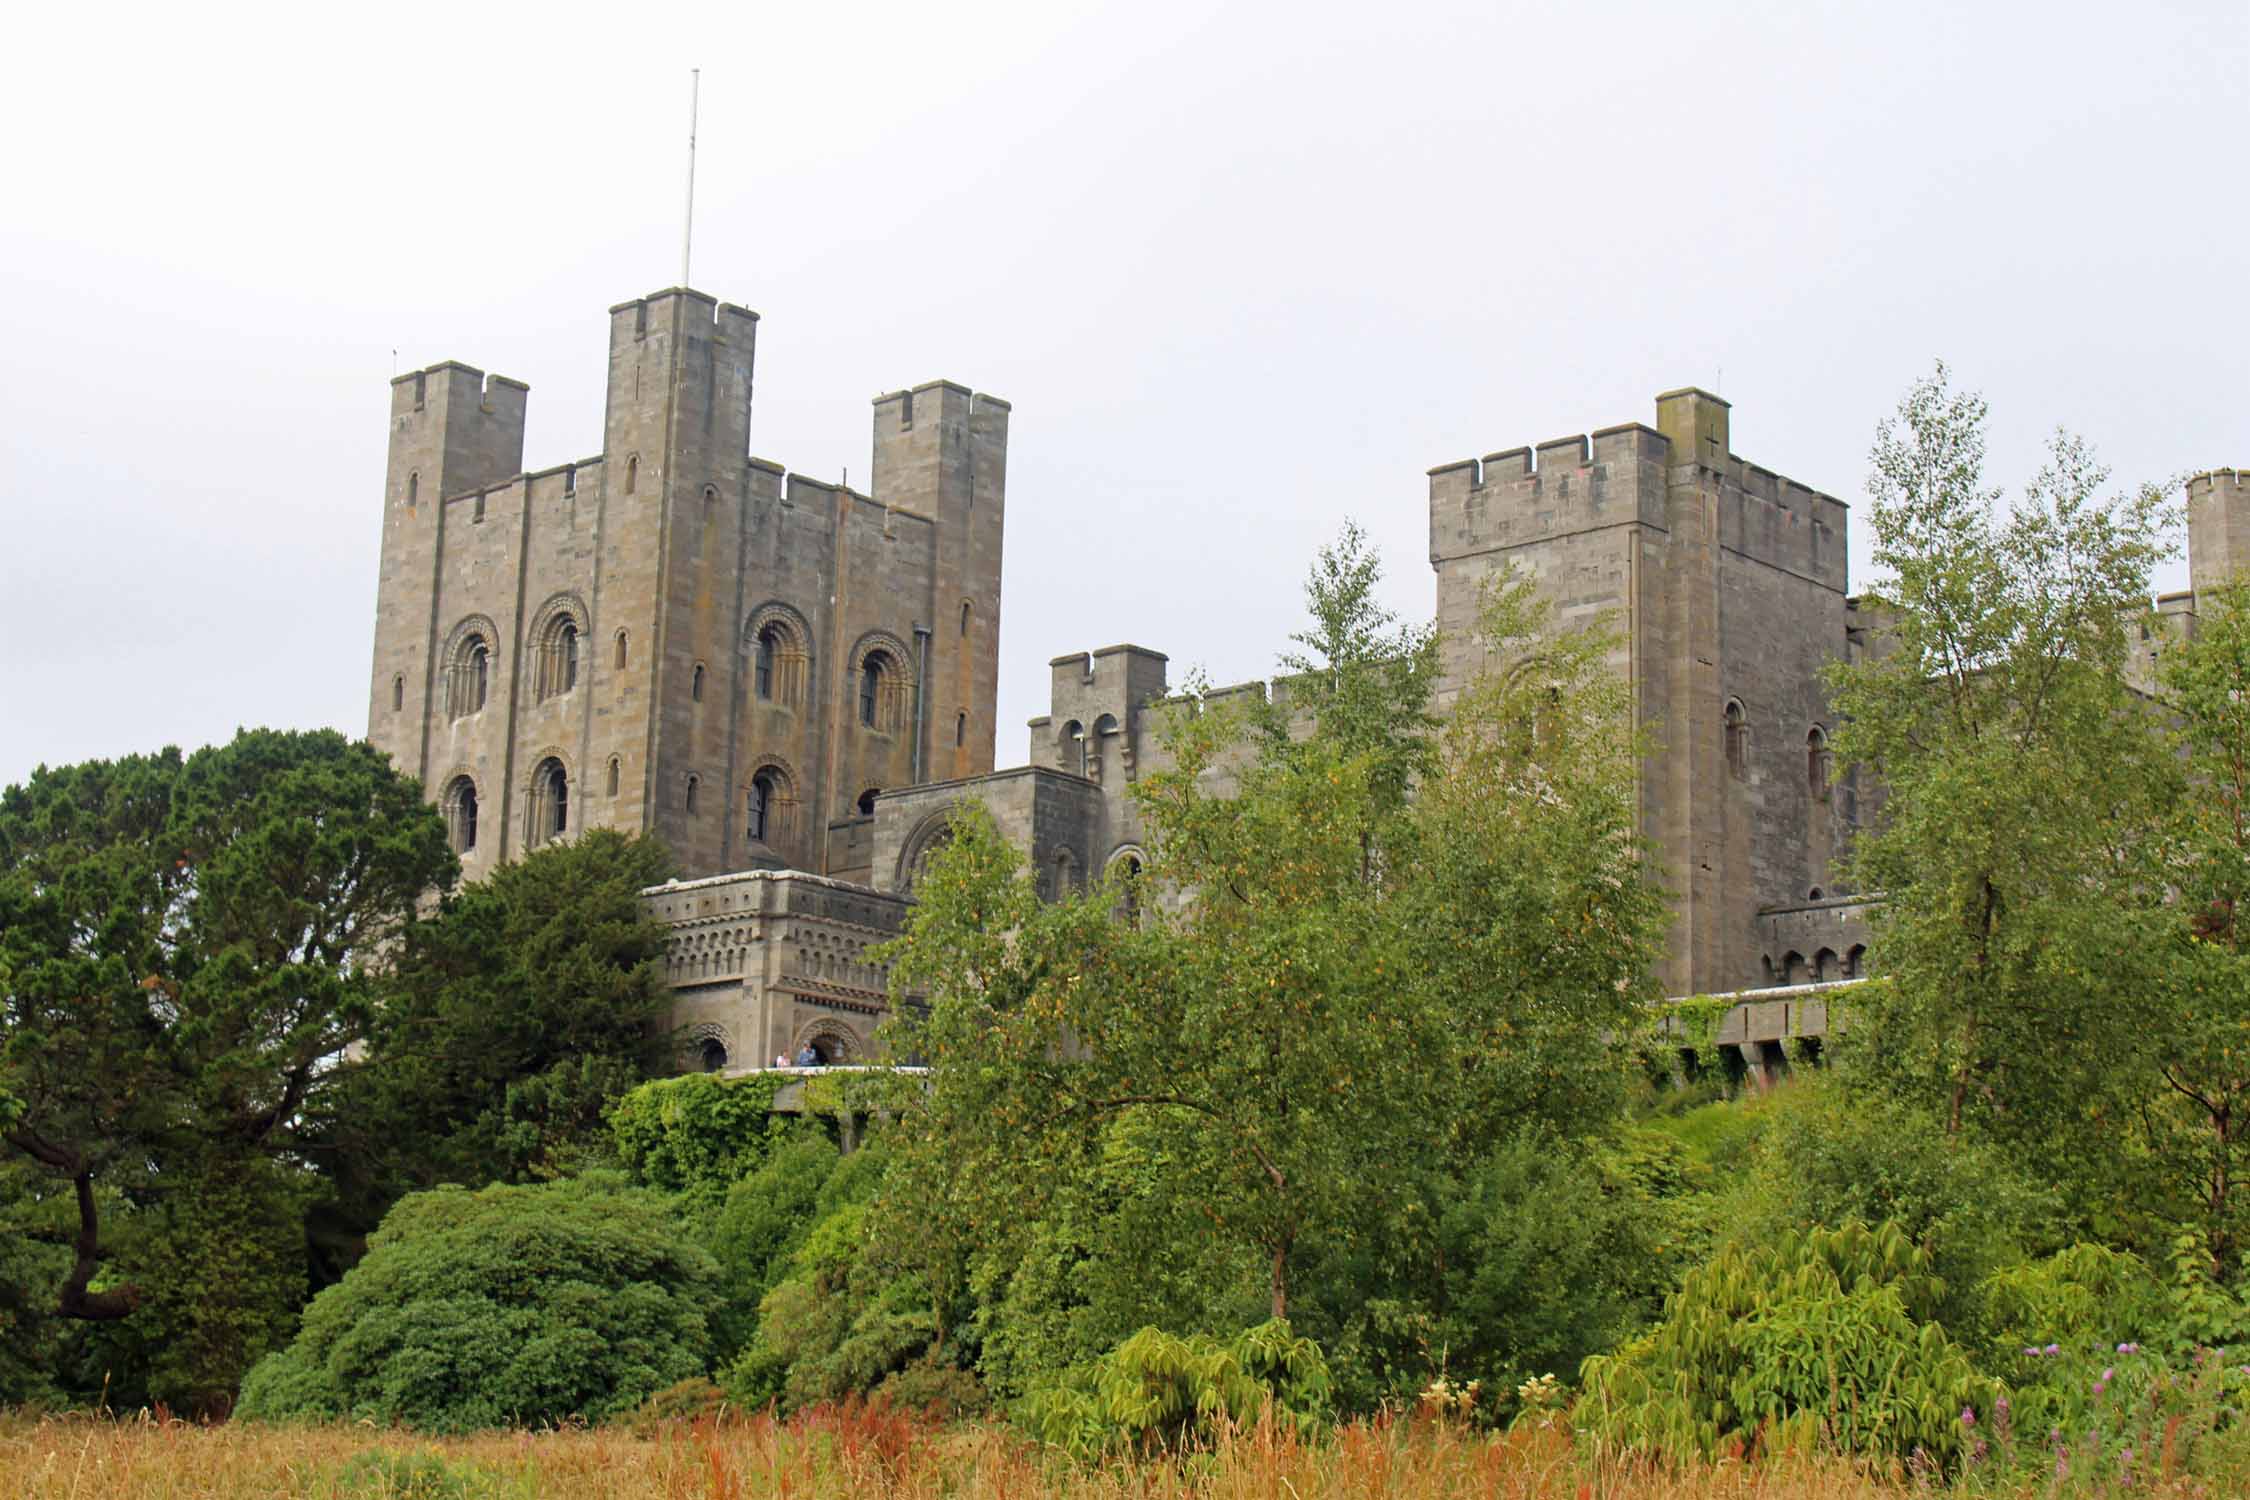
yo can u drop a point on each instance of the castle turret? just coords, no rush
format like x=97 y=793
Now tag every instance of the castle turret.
x=452 y=431
x=2218 y=514
x=941 y=451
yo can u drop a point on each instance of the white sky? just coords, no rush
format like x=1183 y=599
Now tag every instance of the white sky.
x=1244 y=270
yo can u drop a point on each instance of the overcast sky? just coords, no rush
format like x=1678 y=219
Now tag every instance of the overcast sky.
x=1244 y=270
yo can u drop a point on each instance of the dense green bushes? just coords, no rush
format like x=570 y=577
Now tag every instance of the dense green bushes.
x=509 y=1305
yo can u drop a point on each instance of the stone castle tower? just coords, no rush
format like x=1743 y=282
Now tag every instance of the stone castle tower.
x=674 y=636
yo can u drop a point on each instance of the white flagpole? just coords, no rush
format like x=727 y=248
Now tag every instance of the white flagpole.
x=687 y=239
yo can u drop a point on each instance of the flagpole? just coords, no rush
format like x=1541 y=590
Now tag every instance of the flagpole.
x=687 y=238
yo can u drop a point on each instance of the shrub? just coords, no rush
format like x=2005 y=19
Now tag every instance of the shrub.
x=511 y=1305
x=766 y=1217
x=697 y=1134
x=1160 y=1393
x=1821 y=1340
x=684 y=1402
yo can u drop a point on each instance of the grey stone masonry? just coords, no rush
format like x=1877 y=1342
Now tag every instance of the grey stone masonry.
x=672 y=635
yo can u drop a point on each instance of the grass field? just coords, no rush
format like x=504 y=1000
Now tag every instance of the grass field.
x=865 y=1453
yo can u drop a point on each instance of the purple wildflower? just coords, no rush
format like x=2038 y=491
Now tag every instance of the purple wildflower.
x=2054 y=1348
x=1968 y=1416
x=2128 y=1348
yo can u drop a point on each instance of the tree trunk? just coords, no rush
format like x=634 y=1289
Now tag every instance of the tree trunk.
x=76 y=1301
x=1281 y=1279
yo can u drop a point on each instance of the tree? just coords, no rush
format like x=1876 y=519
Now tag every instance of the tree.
x=514 y=1305
x=2023 y=783
x=1291 y=1036
x=185 y=951
x=512 y=1018
x=2202 y=1056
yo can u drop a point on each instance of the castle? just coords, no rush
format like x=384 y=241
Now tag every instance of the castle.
x=794 y=683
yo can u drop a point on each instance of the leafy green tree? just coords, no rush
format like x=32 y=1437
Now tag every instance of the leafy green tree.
x=511 y=1020
x=1293 y=1035
x=185 y=958
x=2200 y=1127
x=513 y=1305
x=2023 y=786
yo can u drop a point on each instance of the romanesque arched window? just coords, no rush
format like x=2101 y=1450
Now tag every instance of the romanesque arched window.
x=468 y=667
x=761 y=804
x=866 y=802
x=769 y=653
x=960 y=730
x=621 y=651
x=413 y=488
x=687 y=796
x=554 y=640
x=616 y=774
x=550 y=803
x=632 y=473
x=965 y=612
x=1816 y=763
x=398 y=693
x=695 y=683
x=1737 y=739
x=711 y=1056
x=460 y=806
x=871 y=686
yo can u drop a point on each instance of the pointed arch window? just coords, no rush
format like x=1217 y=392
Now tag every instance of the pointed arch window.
x=1817 y=763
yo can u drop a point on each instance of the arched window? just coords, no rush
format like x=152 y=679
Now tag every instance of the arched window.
x=1064 y=877
x=1825 y=964
x=398 y=693
x=480 y=674
x=461 y=815
x=871 y=671
x=1855 y=961
x=964 y=618
x=1070 y=747
x=413 y=488
x=555 y=657
x=960 y=730
x=1816 y=762
x=1099 y=744
x=1737 y=740
x=695 y=683
x=621 y=651
x=712 y=1055
x=632 y=473
x=616 y=774
x=769 y=649
x=550 y=802
x=693 y=784
x=867 y=801
x=761 y=804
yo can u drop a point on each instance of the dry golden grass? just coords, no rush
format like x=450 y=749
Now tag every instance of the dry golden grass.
x=848 y=1453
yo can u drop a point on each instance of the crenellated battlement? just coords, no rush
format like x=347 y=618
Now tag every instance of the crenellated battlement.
x=1568 y=484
